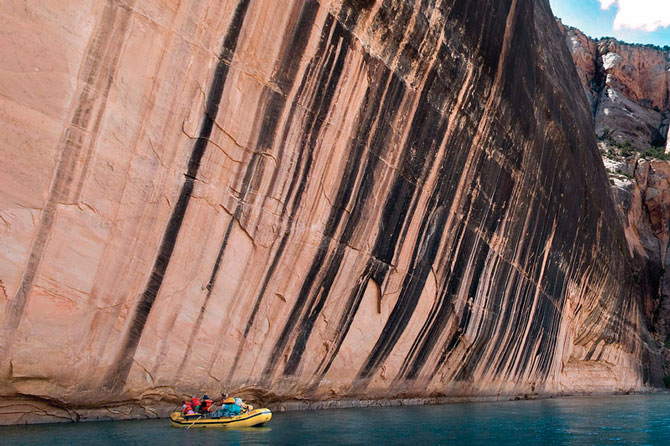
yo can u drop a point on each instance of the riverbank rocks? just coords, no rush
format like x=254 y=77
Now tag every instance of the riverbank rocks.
x=303 y=201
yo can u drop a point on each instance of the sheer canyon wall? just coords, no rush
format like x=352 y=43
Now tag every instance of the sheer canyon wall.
x=628 y=87
x=303 y=200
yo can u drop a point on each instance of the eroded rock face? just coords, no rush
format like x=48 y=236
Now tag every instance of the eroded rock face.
x=642 y=190
x=302 y=200
x=628 y=87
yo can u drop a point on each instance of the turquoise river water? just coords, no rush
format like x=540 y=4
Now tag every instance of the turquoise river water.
x=614 y=420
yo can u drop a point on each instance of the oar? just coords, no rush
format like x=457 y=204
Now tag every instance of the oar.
x=196 y=420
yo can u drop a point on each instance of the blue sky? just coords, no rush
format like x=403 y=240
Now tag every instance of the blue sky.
x=632 y=18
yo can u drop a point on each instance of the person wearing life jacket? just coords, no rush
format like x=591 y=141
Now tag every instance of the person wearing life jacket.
x=188 y=409
x=206 y=405
x=195 y=404
x=244 y=408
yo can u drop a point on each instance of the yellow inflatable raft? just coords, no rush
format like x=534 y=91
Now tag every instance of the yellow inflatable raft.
x=250 y=419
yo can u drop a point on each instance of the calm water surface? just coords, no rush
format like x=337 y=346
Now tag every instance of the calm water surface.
x=617 y=420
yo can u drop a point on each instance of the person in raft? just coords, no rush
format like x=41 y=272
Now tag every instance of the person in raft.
x=206 y=405
x=231 y=407
x=187 y=409
x=245 y=407
x=195 y=404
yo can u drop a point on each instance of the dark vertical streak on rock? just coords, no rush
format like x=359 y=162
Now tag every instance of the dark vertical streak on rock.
x=410 y=53
x=437 y=318
x=393 y=96
x=322 y=102
x=322 y=48
x=284 y=240
x=503 y=191
x=344 y=324
x=300 y=42
x=427 y=128
x=450 y=168
x=76 y=144
x=479 y=264
x=439 y=314
x=116 y=377
x=430 y=236
x=390 y=97
x=284 y=78
x=427 y=123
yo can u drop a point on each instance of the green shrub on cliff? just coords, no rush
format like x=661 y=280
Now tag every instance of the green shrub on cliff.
x=626 y=149
x=657 y=153
x=666 y=381
x=618 y=150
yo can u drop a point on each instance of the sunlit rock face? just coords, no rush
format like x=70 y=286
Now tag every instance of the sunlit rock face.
x=642 y=191
x=302 y=201
x=648 y=213
x=628 y=87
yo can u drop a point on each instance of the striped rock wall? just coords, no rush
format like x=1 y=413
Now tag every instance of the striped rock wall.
x=301 y=200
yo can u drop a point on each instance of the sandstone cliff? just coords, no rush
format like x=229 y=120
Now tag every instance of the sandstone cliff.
x=302 y=201
x=628 y=87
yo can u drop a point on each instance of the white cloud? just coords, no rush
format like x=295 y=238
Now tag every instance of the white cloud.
x=646 y=15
